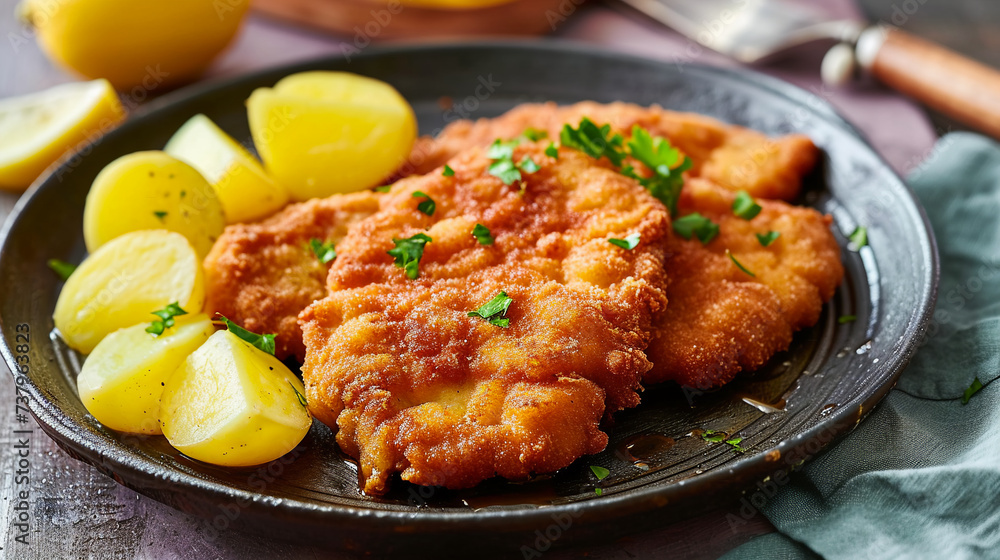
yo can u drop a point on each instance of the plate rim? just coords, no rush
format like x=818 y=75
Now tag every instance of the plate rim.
x=109 y=460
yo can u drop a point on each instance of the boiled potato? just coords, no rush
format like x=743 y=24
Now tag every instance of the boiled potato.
x=123 y=378
x=321 y=133
x=244 y=189
x=152 y=190
x=234 y=405
x=122 y=282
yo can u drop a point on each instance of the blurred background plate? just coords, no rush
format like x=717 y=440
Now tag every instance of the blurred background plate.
x=660 y=469
x=370 y=19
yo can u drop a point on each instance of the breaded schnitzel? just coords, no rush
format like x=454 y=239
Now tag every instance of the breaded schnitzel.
x=263 y=275
x=734 y=157
x=720 y=320
x=414 y=384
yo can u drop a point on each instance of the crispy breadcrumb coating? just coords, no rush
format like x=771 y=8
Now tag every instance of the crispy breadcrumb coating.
x=415 y=385
x=262 y=275
x=720 y=320
x=734 y=157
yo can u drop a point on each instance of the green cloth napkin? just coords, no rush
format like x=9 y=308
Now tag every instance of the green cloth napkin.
x=920 y=478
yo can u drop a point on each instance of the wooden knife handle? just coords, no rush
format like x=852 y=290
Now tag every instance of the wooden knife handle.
x=959 y=87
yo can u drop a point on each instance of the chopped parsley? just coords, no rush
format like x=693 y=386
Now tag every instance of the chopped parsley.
x=494 y=310
x=629 y=242
x=552 y=151
x=595 y=141
x=534 y=135
x=161 y=214
x=166 y=318
x=859 y=238
x=528 y=165
x=744 y=206
x=738 y=264
x=323 y=250
x=300 y=396
x=847 y=319
x=664 y=161
x=601 y=473
x=713 y=436
x=448 y=171
x=697 y=225
x=383 y=188
x=62 y=269
x=425 y=206
x=503 y=166
x=735 y=444
x=408 y=253
x=972 y=390
x=482 y=234
x=766 y=239
x=264 y=342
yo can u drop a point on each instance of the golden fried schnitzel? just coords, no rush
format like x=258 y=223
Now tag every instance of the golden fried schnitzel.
x=414 y=384
x=263 y=275
x=720 y=320
x=734 y=157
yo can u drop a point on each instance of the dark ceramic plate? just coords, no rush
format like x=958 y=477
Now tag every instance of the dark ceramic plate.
x=660 y=469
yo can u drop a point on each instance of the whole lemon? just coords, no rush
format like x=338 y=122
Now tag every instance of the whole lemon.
x=134 y=44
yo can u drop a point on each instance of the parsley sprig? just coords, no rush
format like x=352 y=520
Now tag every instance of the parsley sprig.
x=482 y=234
x=663 y=160
x=166 y=318
x=503 y=166
x=408 y=252
x=694 y=224
x=630 y=242
x=426 y=206
x=595 y=141
x=744 y=206
x=62 y=269
x=713 y=436
x=738 y=264
x=448 y=171
x=264 y=342
x=976 y=386
x=494 y=311
x=601 y=473
x=323 y=250
x=859 y=238
x=766 y=239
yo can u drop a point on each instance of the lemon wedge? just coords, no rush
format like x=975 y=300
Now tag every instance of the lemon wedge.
x=244 y=189
x=36 y=129
x=322 y=133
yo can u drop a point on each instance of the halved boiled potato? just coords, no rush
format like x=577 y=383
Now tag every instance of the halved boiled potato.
x=234 y=405
x=121 y=283
x=322 y=133
x=152 y=190
x=122 y=380
x=245 y=190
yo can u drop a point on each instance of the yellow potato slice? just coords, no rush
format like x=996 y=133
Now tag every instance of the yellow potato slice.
x=122 y=380
x=322 y=133
x=122 y=282
x=152 y=190
x=234 y=405
x=245 y=190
